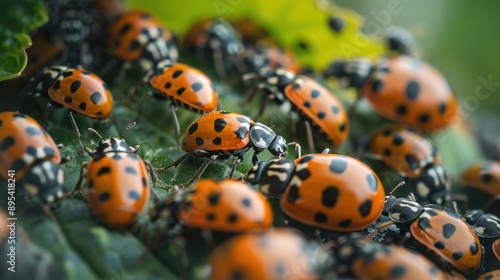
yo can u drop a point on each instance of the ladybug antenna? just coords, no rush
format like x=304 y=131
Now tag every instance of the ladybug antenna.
x=127 y=128
x=397 y=187
x=95 y=132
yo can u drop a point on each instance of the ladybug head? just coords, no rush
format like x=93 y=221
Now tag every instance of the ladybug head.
x=388 y=202
x=158 y=69
x=473 y=216
x=350 y=73
x=113 y=144
x=45 y=179
x=263 y=137
x=224 y=38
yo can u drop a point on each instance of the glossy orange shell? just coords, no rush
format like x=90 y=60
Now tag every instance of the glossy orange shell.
x=333 y=192
x=450 y=238
x=207 y=132
x=492 y=275
x=320 y=106
x=279 y=57
x=18 y=134
x=90 y=98
x=484 y=176
x=228 y=205
x=186 y=85
x=118 y=189
x=274 y=254
x=495 y=247
x=404 y=150
x=126 y=37
x=42 y=52
x=396 y=263
x=413 y=93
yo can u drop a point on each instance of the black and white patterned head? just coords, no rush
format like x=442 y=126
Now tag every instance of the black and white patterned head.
x=112 y=145
x=402 y=210
x=273 y=176
x=45 y=179
x=484 y=224
x=351 y=73
x=263 y=137
x=432 y=186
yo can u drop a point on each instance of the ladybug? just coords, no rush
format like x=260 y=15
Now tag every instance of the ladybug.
x=487 y=228
x=317 y=106
x=79 y=90
x=219 y=135
x=275 y=254
x=399 y=41
x=45 y=48
x=139 y=36
x=366 y=259
x=415 y=158
x=217 y=38
x=29 y=158
x=402 y=89
x=492 y=275
x=184 y=86
x=483 y=176
x=226 y=206
x=440 y=235
x=116 y=179
x=266 y=53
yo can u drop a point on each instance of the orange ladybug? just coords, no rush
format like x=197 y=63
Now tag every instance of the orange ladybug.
x=484 y=176
x=274 y=254
x=117 y=182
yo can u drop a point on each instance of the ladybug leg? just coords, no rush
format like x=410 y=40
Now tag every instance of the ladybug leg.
x=310 y=140
x=173 y=164
x=298 y=149
x=77 y=132
x=201 y=169
x=46 y=116
x=175 y=120
x=78 y=186
x=154 y=177
x=233 y=168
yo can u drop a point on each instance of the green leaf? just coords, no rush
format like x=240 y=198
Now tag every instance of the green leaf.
x=17 y=20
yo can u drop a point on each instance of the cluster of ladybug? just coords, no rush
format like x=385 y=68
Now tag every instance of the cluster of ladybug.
x=366 y=234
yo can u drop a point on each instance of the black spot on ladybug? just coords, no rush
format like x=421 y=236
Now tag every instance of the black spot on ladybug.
x=345 y=223
x=31 y=151
x=303 y=174
x=448 y=230
x=342 y=127
x=68 y=99
x=95 y=97
x=293 y=194
x=424 y=118
x=210 y=216
x=442 y=108
x=335 y=109
x=217 y=141
x=320 y=217
x=321 y=115
x=434 y=270
x=279 y=270
x=398 y=140
x=1 y=123
x=83 y=106
x=49 y=152
x=213 y=198
x=177 y=73
x=86 y=73
x=199 y=141
x=67 y=74
x=7 y=143
x=98 y=157
x=306 y=158
x=233 y=218
x=489 y=277
x=246 y=202
x=397 y=271
x=131 y=170
x=134 y=45
x=242 y=119
x=377 y=86
x=401 y=110
x=144 y=182
x=241 y=132
x=75 y=85
x=486 y=178
x=296 y=86
x=116 y=156
x=386 y=132
x=330 y=196
x=32 y=131
x=237 y=275
x=105 y=196
x=365 y=208
x=168 y=85
x=424 y=223
x=336 y=24
x=315 y=93
x=105 y=86
x=18 y=116
x=219 y=124
x=338 y=165
x=57 y=85
x=372 y=182
x=412 y=161
x=133 y=157
x=90 y=184
x=387 y=152
x=431 y=212
x=18 y=164
x=474 y=248
x=439 y=244
x=457 y=255
x=134 y=195
x=192 y=129
x=412 y=90
x=125 y=28
x=180 y=91
x=307 y=104
x=196 y=86
x=103 y=170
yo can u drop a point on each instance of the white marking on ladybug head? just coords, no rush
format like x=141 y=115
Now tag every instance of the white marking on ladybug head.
x=47 y=168
x=396 y=216
x=59 y=194
x=50 y=199
x=31 y=189
x=422 y=189
x=479 y=230
x=282 y=176
x=273 y=80
x=39 y=173
x=60 y=177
